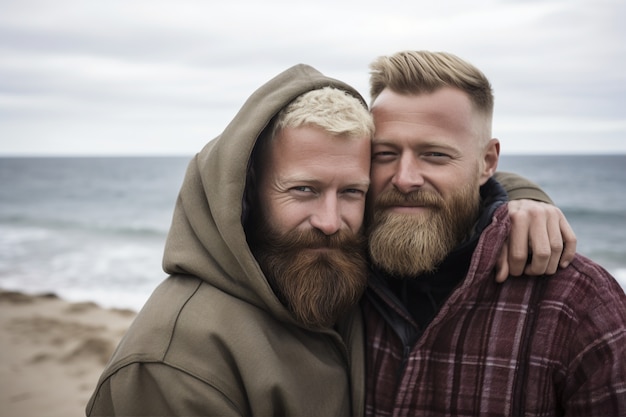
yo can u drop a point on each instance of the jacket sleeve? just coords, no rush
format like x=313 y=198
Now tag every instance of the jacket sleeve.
x=155 y=389
x=519 y=188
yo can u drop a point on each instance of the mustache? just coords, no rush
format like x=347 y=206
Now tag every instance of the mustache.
x=423 y=198
x=314 y=239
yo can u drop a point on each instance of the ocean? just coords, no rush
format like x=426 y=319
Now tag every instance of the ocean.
x=93 y=229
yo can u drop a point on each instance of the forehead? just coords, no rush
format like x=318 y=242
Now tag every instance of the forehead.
x=311 y=151
x=447 y=107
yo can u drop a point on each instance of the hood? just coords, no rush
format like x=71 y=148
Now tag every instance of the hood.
x=207 y=238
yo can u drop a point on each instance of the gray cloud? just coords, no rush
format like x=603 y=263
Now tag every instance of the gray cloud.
x=129 y=77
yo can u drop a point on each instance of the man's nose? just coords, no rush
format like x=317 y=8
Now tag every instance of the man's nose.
x=327 y=217
x=408 y=176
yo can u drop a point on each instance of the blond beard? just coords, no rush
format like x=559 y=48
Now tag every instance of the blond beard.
x=318 y=287
x=406 y=245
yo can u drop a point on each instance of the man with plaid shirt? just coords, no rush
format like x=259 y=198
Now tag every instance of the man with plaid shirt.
x=443 y=338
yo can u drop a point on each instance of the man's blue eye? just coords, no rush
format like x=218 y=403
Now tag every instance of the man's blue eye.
x=355 y=191
x=303 y=188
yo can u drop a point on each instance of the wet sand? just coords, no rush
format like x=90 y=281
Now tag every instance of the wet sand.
x=52 y=353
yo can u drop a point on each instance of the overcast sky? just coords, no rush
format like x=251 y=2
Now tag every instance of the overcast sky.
x=151 y=77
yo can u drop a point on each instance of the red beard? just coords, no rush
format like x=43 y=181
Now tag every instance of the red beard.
x=317 y=277
x=405 y=244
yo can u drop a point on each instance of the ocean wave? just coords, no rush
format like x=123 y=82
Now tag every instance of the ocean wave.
x=604 y=214
x=28 y=223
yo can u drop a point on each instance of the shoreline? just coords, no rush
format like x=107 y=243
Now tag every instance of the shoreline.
x=53 y=352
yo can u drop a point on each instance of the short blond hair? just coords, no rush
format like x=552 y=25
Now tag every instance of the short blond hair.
x=416 y=72
x=335 y=111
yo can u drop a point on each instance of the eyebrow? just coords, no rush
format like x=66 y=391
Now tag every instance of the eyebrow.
x=308 y=180
x=365 y=184
x=383 y=141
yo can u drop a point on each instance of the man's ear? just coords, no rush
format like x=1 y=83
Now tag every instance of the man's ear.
x=491 y=154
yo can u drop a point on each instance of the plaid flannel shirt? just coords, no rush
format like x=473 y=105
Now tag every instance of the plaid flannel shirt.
x=534 y=346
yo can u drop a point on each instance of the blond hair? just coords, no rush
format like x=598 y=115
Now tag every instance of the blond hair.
x=416 y=72
x=334 y=110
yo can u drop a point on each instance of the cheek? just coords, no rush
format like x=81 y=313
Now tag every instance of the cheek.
x=353 y=216
x=379 y=178
x=287 y=217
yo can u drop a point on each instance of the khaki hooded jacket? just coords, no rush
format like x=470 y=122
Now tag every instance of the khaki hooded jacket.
x=213 y=339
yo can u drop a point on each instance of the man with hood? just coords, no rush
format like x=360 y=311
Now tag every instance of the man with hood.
x=266 y=262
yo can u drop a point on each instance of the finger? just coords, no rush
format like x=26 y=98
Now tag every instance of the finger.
x=502 y=265
x=569 y=243
x=518 y=243
x=556 y=244
x=539 y=247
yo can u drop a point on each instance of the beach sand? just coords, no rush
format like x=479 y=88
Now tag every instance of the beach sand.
x=52 y=353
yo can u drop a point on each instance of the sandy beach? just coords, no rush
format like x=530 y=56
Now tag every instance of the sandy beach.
x=52 y=353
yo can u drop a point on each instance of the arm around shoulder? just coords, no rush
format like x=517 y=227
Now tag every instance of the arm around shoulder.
x=518 y=187
x=537 y=229
x=156 y=389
